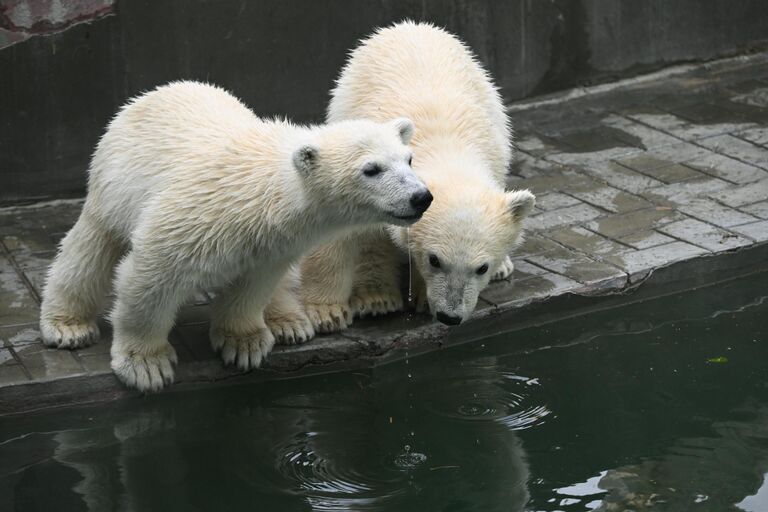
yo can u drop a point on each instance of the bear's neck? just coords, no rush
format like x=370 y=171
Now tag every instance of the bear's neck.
x=294 y=220
x=272 y=208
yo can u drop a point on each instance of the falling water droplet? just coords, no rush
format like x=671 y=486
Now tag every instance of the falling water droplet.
x=410 y=280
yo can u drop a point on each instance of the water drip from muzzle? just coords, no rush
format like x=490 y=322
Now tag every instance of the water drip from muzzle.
x=410 y=280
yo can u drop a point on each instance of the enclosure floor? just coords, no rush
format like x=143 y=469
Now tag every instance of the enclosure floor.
x=628 y=181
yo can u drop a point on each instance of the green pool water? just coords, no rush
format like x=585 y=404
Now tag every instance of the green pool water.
x=658 y=406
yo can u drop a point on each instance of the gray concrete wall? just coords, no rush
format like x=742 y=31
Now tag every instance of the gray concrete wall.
x=64 y=70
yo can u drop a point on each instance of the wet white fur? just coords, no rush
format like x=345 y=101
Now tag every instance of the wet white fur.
x=188 y=189
x=462 y=149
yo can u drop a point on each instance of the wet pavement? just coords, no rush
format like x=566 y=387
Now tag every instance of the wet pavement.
x=638 y=177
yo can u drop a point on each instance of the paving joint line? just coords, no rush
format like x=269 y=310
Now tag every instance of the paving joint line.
x=727 y=230
x=24 y=368
x=582 y=170
x=709 y=223
x=595 y=205
x=695 y=142
x=20 y=273
x=593 y=257
x=585 y=201
x=612 y=239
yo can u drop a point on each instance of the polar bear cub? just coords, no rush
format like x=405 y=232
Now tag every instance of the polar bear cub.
x=189 y=190
x=461 y=149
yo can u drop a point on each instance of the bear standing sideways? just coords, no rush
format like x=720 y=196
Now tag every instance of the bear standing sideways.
x=189 y=190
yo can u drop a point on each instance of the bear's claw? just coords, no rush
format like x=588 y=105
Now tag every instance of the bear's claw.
x=246 y=350
x=145 y=372
x=376 y=302
x=291 y=329
x=328 y=317
x=69 y=334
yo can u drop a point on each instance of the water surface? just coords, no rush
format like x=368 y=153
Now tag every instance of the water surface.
x=661 y=406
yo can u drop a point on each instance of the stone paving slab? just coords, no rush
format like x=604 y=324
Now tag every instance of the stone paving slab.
x=629 y=181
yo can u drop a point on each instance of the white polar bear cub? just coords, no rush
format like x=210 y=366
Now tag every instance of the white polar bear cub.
x=461 y=149
x=197 y=192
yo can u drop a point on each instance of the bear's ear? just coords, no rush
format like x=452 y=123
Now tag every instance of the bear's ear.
x=405 y=128
x=305 y=159
x=520 y=203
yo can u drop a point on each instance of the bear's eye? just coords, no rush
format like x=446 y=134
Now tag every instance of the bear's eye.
x=434 y=261
x=372 y=170
x=482 y=269
x=410 y=160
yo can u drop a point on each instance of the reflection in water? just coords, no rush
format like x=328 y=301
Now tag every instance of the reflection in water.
x=397 y=452
x=711 y=472
x=484 y=392
x=619 y=411
x=757 y=502
x=99 y=483
x=355 y=442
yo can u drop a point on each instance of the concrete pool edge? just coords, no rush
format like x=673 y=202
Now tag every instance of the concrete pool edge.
x=370 y=343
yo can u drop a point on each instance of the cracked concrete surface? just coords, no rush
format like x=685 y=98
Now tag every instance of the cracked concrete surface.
x=664 y=174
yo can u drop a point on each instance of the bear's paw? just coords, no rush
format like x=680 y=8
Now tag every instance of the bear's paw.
x=328 y=317
x=504 y=271
x=245 y=350
x=373 y=302
x=145 y=371
x=290 y=328
x=69 y=333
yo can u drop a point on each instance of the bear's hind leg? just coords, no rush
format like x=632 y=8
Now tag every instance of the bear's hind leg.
x=285 y=315
x=238 y=329
x=377 y=278
x=148 y=297
x=77 y=284
x=327 y=276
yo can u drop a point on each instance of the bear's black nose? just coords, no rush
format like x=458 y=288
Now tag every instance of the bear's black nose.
x=421 y=201
x=448 y=319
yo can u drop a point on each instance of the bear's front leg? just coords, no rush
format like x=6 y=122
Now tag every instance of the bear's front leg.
x=377 y=278
x=327 y=276
x=148 y=298
x=285 y=315
x=238 y=328
x=505 y=269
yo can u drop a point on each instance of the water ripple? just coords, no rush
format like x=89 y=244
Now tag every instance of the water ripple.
x=337 y=484
x=514 y=401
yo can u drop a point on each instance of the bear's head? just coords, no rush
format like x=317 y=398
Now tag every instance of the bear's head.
x=362 y=170
x=461 y=242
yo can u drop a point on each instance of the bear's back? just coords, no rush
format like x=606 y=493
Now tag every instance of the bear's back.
x=425 y=73
x=175 y=135
x=178 y=119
